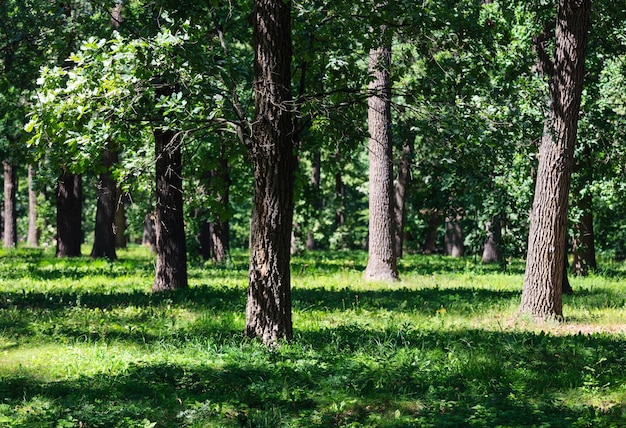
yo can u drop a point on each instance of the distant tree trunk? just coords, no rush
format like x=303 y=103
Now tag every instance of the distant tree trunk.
x=316 y=179
x=402 y=183
x=220 y=226
x=10 y=205
x=340 y=195
x=69 y=203
x=583 y=243
x=583 y=247
x=268 y=308
x=171 y=249
x=454 y=238
x=430 y=242
x=492 y=252
x=382 y=263
x=32 y=239
x=121 y=240
x=543 y=281
x=149 y=232
x=104 y=233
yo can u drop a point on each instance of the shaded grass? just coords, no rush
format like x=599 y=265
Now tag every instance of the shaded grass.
x=86 y=343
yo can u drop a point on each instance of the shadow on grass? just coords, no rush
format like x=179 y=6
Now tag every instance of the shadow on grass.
x=352 y=375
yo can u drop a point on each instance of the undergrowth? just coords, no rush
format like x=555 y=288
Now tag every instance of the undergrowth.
x=86 y=344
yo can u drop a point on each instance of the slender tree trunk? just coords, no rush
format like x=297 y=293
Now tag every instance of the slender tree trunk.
x=402 y=184
x=492 y=252
x=543 y=281
x=268 y=308
x=32 y=239
x=104 y=234
x=121 y=240
x=382 y=263
x=430 y=242
x=454 y=238
x=69 y=203
x=10 y=205
x=316 y=180
x=171 y=249
x=220 y=226
x=149 y=232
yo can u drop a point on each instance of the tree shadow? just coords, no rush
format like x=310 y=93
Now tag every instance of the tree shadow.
x=469 y=377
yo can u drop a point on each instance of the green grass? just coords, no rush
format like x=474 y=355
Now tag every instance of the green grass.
x=86 y=344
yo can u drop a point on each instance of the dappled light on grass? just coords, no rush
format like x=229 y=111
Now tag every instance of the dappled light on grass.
x=85 y=344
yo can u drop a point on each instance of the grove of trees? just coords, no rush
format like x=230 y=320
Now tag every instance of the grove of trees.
x=485 y=128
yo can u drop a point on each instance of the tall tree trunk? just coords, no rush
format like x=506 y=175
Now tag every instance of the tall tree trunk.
x=69 y=203
x=492 y=252
x=454 y=238
x=402 y=183
x=10 y=205
x=32 y=239
x=104 y=234
x=171 y=249
x=268 y=308
x=543 y=281
x=381 y=263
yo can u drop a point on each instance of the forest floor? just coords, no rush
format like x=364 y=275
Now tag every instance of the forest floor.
x=85 y=343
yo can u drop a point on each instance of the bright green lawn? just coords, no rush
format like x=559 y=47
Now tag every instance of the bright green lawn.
x=86 y=344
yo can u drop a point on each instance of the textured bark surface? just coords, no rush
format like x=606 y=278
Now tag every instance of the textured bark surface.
x=381 y=263
x=402 y=184
x=32 y=239
x=543 y=281
x=10 y=205
x=104 y=233
x=171 y=249
x=454 y=238
x=268 y=308
x=69 y=205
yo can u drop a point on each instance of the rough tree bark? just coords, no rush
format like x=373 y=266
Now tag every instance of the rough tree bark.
x=69 y=203
x=10 y=205
x=171 y=249
x=543 y=281
x=268 y=308
x=32 y=239
x=104 y=233
x=381 y=263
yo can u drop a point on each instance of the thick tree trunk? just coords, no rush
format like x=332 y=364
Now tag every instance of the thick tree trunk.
x=171 y=249
x=402 y=184
x=10 y=205
x=382 y=263
x=454 y=238
x=32 y=239
x=543 y=281
x=268 y=309
x=69 y=203
x=492 y=252
x=104 y=234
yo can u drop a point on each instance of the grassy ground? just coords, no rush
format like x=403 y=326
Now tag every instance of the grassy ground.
x=85 y=344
